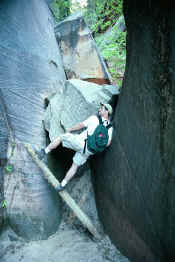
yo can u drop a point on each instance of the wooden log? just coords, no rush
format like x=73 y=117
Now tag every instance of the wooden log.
x=85 y=220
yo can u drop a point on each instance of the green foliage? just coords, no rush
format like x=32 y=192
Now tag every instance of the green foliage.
x=113 y=51
x=8 y=168
x=61 y=9
x=103 y=14
x=76 y=7
x=112 y=44
x=3 y=204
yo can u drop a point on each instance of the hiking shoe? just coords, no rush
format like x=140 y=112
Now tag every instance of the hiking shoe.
x=62 y=126
x=60 y=188
x=41 y=154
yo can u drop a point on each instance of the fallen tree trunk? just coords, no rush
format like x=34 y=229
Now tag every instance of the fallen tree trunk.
x=64 y=194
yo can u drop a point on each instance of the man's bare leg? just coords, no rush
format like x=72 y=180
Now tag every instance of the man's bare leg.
x=70 y=173
x=53 y=145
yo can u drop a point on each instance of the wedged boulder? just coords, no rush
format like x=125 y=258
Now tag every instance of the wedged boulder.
x=30 y=69
x=134 y=180
x=75 y=103
x=80 y=54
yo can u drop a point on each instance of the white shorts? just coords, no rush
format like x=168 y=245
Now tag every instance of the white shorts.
x=76 y=143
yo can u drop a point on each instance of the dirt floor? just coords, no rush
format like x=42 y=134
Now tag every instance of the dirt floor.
x=72 y=242
x=68 y=244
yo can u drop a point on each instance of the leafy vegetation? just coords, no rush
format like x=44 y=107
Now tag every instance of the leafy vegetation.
x=103 y=13
x=4 y=204
x=113 y=50
x=103 y=18
x=61 y=9
x=8 y=168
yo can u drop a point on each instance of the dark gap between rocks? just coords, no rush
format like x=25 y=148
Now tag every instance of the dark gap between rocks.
x=59 y=160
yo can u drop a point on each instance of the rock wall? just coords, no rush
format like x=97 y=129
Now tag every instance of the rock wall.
x=1 y=197
x=134 y=180
x=3 y=158
x=30 y=69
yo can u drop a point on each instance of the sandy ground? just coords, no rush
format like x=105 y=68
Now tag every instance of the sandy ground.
x=71 y=243
x=68 y=244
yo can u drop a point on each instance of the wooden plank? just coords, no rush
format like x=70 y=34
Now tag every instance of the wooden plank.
x=85 y=220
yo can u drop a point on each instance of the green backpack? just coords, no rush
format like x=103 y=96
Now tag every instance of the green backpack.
x=97 y=142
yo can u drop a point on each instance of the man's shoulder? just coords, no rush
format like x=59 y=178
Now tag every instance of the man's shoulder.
x=93 y=118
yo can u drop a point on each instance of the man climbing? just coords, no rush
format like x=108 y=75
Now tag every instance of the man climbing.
x=95 y=138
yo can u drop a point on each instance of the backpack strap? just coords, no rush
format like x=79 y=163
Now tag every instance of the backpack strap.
x=84 y=149
x=109 y=126
x=85 y=143
x=101 y=122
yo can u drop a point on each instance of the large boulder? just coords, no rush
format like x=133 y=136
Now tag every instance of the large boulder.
x=80 y=54
x=30 y=69
x=77 y=101
x=134 y=180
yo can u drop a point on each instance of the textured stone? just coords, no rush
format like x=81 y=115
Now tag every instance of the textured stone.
x=78 y=101
x=80 y=55
x=30 y=69
x=134 y=180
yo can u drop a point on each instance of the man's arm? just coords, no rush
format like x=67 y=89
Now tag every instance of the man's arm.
x=110 y=131
x=75 y=128
x=81 y=124
x=109 y=142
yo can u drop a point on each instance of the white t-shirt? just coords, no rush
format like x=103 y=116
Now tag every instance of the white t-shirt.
x=91 y=123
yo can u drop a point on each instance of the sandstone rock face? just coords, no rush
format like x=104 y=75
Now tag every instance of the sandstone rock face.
x=1 y=197
x=30 y=69
x=80 y=55
x=74 y=103
x=3 y=157
x=134 y=180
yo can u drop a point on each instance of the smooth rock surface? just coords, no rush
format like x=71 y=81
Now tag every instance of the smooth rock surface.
x=134 y=180
x=30 y=69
